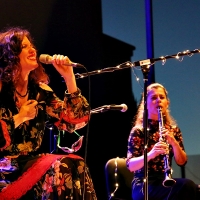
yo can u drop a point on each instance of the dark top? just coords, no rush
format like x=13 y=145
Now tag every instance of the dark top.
x=69 y=115
x=136 y=147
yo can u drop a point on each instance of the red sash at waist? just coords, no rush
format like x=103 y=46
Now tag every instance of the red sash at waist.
x=29 y=178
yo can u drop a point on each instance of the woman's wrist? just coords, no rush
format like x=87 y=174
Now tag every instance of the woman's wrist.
x=175 y=144
x=17 y=120
x=75 y=94
x=149 y=156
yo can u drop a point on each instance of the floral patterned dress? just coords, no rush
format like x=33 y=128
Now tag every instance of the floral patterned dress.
x=25 y=173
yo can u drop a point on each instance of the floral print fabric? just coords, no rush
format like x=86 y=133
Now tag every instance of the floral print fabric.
x=136 y=146
x=20 y=146
x=69 y=115
x=65 y=180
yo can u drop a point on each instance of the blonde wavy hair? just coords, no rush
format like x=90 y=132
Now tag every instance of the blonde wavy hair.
x=138 y=118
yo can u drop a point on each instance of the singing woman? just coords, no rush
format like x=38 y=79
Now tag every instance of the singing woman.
x=26 y=104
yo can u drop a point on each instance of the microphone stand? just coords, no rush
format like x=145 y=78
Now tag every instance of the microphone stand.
x=98 y=110
x=145 y=70
x=122 y=108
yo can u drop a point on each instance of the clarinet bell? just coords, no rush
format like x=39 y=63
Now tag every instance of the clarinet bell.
x=168 y=182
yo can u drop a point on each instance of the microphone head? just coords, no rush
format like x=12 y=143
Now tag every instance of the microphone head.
x=124 y=107
x=45 y=58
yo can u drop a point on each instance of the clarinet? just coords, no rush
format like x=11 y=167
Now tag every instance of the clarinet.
x=168 y=181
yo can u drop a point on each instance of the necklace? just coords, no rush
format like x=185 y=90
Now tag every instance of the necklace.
x=20 y=94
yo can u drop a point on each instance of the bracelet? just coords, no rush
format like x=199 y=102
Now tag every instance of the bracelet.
x=74 y=94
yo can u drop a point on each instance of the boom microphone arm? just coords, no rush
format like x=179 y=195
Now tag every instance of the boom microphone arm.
x=129 y=64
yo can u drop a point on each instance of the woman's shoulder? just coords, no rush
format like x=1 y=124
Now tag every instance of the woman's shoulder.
x=171 y=126
x=137 y=129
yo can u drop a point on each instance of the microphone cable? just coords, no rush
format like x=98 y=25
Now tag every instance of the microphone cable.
x=87 y=131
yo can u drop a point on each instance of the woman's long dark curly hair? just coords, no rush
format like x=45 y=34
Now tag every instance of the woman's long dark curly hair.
x=10 y=48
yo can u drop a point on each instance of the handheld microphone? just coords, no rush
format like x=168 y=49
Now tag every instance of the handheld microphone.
x=47 y=59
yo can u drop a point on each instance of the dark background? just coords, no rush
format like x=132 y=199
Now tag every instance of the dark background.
x=74 y=28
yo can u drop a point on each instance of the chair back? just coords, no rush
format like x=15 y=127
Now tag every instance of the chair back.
x=118 y=179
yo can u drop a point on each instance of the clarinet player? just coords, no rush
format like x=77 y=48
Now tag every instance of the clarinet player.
x=161 y=185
